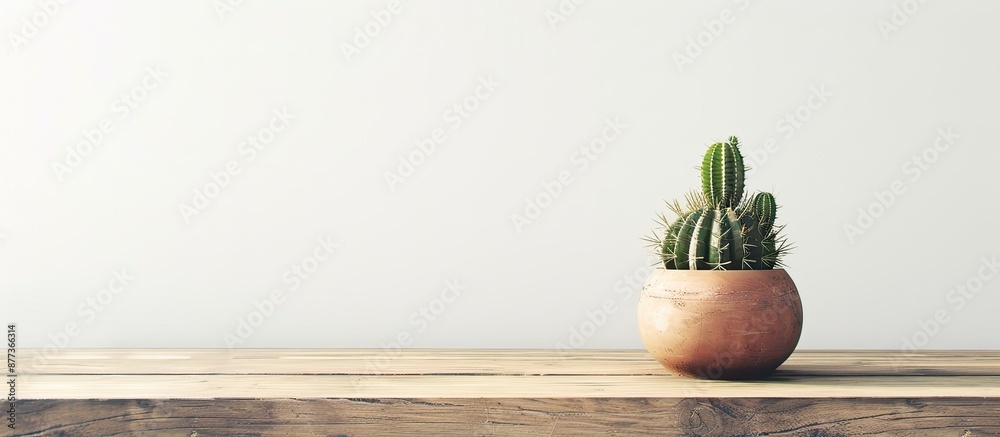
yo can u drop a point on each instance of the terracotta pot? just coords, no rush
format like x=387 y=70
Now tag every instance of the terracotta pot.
x=735 y=324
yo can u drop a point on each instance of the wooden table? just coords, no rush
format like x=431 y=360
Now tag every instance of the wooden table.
x=303 y=392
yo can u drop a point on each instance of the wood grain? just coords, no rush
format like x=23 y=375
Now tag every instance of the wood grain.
x=293 y=392
x=477 y=362
x=494 y=386
x=512 y=417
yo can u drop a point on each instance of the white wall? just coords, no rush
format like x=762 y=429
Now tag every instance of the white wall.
x=886 y=95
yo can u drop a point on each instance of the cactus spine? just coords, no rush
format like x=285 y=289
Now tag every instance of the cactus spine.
x=720 y=228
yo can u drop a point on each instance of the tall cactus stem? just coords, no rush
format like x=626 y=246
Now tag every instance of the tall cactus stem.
x=723 y=174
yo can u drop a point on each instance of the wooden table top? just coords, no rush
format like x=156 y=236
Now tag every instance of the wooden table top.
x=478 y=373
x=345 y=392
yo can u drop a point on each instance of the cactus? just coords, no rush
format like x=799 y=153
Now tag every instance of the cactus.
x=764 y=210
x=722 y=174
x=719 y=228
x=761 y=213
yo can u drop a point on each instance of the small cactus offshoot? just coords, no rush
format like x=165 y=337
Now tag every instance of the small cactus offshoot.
x=720 y=228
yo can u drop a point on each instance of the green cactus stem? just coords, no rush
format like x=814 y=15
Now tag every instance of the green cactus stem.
x=764 y=210
x=704 y=240
x=723 y=174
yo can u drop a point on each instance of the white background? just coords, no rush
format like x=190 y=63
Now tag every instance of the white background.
x=889 y=91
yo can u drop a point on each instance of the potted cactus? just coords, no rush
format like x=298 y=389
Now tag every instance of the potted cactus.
x=721 y=306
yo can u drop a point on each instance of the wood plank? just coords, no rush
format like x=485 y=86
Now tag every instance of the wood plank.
x=496 y=386
x=512 y=417
x=477 y=362
x=293 y=392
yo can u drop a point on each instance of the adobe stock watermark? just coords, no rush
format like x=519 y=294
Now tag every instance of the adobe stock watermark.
x=367 y=32
x=12 y=357
x=455 y=117
x=293 y=278
x=899 y=16
x=884 y=199
x=420 y=319
x=34 y=23
x=788 y=124
x=121 y=108
x=713 y=29
x=955 y=300
x=595 y=319
x=580 y=160
x=86 y=311
x=223 y=7
x=562 y=11
x=247 y=151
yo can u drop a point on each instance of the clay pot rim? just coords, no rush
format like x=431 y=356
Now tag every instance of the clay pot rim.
x=718 y=287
